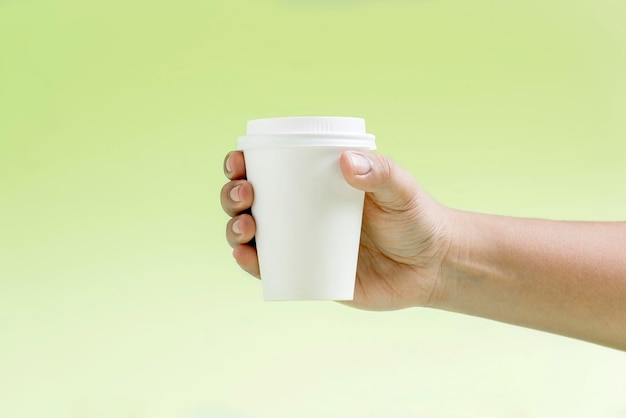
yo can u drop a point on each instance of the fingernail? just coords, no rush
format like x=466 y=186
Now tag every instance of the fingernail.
x=236 y=228
x=234 y=194
x=229 y=169
x=360 y=164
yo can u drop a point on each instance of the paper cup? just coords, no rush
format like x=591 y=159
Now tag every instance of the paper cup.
x=308 y=218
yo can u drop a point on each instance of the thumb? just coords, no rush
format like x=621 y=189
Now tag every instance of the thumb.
x=391 y=187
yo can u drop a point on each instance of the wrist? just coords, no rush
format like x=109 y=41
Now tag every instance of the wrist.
x=456 y=259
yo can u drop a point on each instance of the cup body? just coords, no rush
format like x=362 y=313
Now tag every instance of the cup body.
x=308 y=218
x=308 y=222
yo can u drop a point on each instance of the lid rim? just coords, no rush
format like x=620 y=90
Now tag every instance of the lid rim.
x=312 y=135
x=292 y=131
x=290 y=141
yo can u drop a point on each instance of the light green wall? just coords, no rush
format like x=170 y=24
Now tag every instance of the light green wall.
x=118 y=295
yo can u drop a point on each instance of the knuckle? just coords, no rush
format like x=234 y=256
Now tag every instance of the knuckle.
x=224 y=166
x=224 y=199
x=384 y=170
x=231 y=207
x=229 y=235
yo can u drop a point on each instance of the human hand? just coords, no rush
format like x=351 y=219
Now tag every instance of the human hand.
x=405 y=234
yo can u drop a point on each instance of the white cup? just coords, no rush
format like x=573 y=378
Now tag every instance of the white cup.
x=308 y=218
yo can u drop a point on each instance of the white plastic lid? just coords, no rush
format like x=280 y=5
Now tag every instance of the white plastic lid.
x=307 y=131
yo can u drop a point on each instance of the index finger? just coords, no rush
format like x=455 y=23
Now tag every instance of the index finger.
x=235 y=165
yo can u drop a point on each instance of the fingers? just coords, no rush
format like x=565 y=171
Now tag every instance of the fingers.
x=237 y=194
x=235 y=165
x=390 y=186
x=240 y=230
x=236 y=197
x=246 y=257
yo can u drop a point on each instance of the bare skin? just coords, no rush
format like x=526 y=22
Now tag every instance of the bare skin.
x=567 y=278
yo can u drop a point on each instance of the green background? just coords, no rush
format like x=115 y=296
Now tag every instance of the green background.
x=118 y=294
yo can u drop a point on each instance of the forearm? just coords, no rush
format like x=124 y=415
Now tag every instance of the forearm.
x=567 y=278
